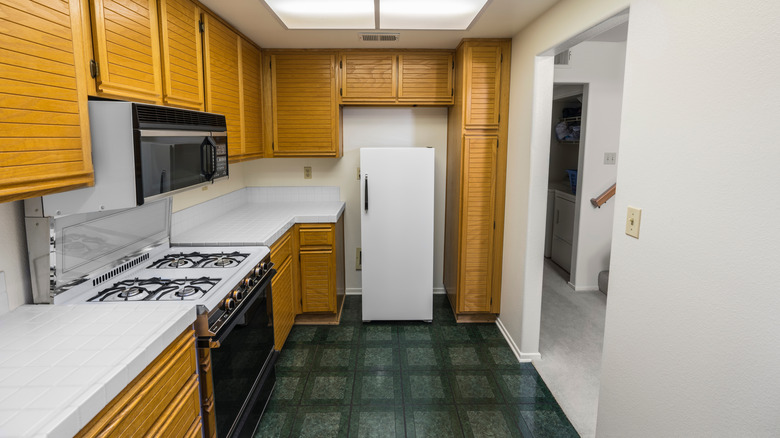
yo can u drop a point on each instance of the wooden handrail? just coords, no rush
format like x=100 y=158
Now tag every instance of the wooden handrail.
x=604 y=197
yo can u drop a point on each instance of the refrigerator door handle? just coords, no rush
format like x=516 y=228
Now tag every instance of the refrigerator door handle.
x=365 y=193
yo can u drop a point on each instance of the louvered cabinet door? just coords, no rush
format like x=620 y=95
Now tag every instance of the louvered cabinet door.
x=182 y=56
x=477 y=216
x=251 y=121
x=318 y=281
x=44 y=130
x=368 y=77
x=426 y=77
x=483 y=86
x=126 y=43
x=222 y=80
x=304 y=105
x=284 y=312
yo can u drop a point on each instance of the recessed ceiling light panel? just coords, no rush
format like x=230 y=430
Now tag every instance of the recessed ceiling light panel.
x=428 y=14
x=324 y=14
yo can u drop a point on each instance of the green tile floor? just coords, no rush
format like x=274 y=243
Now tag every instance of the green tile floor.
x=407 y=379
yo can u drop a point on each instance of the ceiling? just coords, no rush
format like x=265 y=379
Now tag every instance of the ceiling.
x=499 y=19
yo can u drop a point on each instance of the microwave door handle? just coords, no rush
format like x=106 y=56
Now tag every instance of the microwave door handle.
x=162 y=181
x=213 y=160
x=205 y=160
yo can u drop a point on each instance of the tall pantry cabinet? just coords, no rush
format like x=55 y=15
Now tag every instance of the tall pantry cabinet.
x=476 y=176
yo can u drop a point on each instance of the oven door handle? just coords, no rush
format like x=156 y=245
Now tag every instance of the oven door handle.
x=223 y=332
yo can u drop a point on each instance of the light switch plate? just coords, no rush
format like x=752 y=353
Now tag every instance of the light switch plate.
x=358 y=174
x=358 y=259
x=306 y=172
x=633 y=218
x=610 y=158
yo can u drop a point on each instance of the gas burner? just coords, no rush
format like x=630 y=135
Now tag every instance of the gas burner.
x=180 y=260
x=185 y=289
x=222 y=260
x=130 y=292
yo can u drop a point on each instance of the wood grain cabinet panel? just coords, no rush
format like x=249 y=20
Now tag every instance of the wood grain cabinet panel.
x=223 y=92
x=162 y=401
x=318 y=281
x=482 y=85
x=478 y=215
x=44 y=124
x=251 y=104
x=126 y=47
x=182 y=54
x=305 y=112
x=282 y=288
x=368 y=77
x=426 y=77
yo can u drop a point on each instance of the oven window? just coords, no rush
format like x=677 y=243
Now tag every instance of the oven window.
x=238 y=363
x=170 y=163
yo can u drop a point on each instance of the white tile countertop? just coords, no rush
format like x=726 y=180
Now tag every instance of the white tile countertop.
x=253 y=216
x=60 y=365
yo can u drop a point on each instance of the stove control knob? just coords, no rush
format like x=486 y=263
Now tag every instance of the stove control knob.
x=237 y=295
x=258 y=271
x=228 y=304
x=248 y=282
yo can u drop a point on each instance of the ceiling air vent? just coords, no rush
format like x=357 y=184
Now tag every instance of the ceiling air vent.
x=379 y=37
x=563 y=58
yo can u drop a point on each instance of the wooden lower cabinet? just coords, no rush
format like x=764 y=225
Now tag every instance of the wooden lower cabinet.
x=164 y=400
x=282 y=288
x=321 y=248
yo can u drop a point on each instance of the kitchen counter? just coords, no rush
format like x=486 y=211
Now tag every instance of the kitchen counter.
x=60 y=365
x=256 y=216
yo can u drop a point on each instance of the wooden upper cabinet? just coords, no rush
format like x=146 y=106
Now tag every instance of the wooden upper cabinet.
x=126 y=48
x=478 y=216
x=304 y=104
x=223 y=92
x=426 y=77
x=251 y=122
x=182 y=54
x=368 y=77
x=483 y=85
x=44 y=127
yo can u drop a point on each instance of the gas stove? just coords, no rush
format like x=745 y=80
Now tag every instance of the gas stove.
x=214 y=277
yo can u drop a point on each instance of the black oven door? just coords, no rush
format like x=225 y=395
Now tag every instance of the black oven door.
x=174 y=160
x=243 y=368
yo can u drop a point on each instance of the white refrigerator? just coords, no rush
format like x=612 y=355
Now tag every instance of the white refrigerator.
x=396 y=230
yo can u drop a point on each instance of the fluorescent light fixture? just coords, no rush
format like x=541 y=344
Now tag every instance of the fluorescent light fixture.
x=428 y=14
x=324 y=14
x=393 y=14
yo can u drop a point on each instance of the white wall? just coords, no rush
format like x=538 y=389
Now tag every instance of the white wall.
x=692 y=332
x=366 y=127
x=13 y=254
x=521 y=288
x=600 y=65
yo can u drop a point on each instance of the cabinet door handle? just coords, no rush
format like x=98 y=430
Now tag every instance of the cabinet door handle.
x=365 y=198
x=557 y=216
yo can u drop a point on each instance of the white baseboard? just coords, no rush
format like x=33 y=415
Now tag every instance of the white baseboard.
x=584 y=288
x=359 y=291
x=522 y=357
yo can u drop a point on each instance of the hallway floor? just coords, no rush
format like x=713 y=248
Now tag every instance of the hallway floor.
x=407 y=379
x=571 y=339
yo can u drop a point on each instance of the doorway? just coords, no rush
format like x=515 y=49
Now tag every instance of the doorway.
x=585 y=104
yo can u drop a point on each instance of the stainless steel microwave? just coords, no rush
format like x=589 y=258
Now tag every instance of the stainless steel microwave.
x=143 y=152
